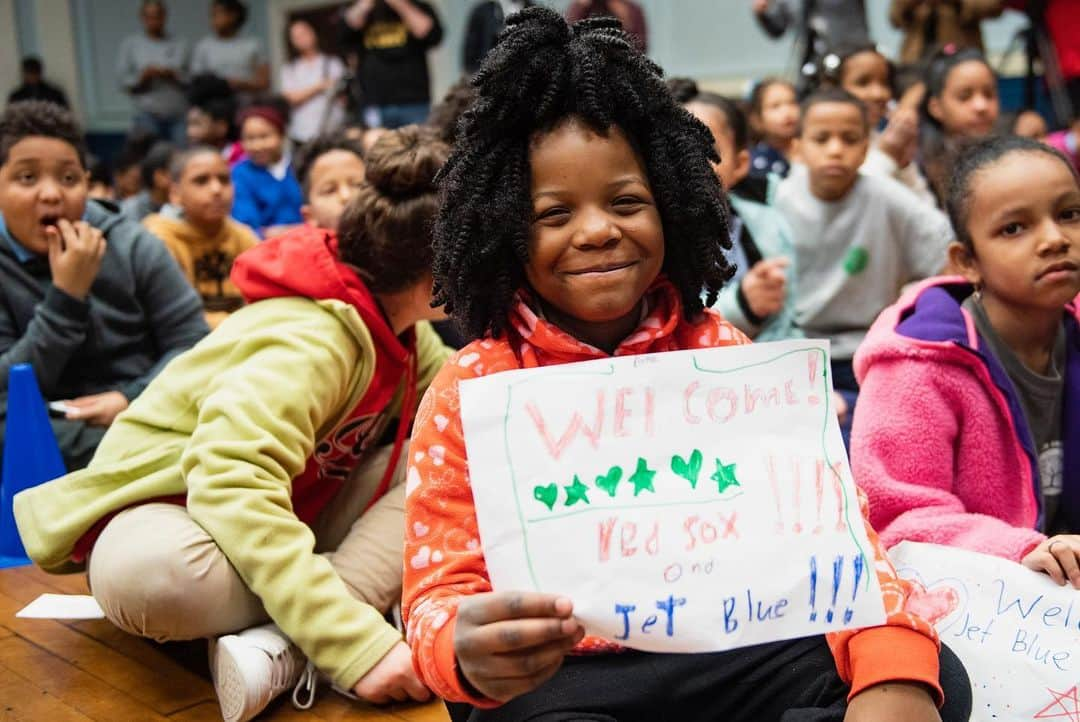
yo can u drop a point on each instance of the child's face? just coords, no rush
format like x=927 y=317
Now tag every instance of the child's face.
x=127 y=181
x=222 y=20
x=734 y=163
x=204 y=190
x=203 y=129
x=779 y=118
x=41 y=182
x=262 y=141
x=332 y=182
x=596 y=241
x=968 y=104
x=1024 y=222
x=833 y=145
x=866 y=76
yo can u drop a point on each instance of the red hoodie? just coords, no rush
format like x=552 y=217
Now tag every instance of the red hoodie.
x=305 y=262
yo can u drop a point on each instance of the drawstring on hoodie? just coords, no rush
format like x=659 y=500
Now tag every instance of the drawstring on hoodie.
x=407 y=403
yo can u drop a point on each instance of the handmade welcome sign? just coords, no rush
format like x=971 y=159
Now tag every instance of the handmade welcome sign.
x=686 y=501
x=1016 y=631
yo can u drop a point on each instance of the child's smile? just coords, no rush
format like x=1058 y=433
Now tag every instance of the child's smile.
x=596 y=241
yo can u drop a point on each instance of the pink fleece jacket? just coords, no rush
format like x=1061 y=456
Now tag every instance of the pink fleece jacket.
x=935 y=440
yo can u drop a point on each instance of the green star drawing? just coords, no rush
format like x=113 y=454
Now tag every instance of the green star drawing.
x=576 y=492
x=724 y=476
x=642 y=477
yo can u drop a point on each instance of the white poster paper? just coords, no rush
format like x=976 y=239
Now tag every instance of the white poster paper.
x=1016 y=631
x=689 y=501
x=62 y=606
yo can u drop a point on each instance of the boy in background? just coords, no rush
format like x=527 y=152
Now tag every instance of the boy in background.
x=330 y=171
x=198 y=232
x=156 y=183
x=91 y=300
x=858 y=239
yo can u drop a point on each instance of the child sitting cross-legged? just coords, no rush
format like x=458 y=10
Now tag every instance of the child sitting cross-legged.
x=967 y=432
x=581 y=219
x=198 y=232
x=90 y=299
x=248 y=484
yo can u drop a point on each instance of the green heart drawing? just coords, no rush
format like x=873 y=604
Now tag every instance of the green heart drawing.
x=689 y=470
x=546 y=495
x=610 y=480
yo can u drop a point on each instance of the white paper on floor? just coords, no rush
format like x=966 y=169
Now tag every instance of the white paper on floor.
x=62 y=606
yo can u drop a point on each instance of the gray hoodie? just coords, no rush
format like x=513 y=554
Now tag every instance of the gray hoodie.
x=140 y=314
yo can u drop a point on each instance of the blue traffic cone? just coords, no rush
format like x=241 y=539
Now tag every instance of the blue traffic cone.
x=31 y=456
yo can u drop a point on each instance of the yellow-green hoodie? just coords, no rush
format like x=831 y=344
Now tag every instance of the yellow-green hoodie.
x=230 y=424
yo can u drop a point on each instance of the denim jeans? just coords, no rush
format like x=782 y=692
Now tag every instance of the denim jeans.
x=173 y=130
x=395 y=116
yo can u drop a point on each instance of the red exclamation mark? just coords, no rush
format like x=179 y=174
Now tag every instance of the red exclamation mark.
x=796 y=467
x=839 y=489
x=770 y=464
x=812 y=369
x=819 y=491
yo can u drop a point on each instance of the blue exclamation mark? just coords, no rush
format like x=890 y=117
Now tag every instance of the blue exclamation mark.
x=837 y=570
x=813 y=589
x=858 y=564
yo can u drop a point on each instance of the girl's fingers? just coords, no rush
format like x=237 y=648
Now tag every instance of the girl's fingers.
x=523 y=663
x=1065 y=555
x=1047 y=563
x=506 y=689
x=515 y=635
x=416 y=689
x=498 y=606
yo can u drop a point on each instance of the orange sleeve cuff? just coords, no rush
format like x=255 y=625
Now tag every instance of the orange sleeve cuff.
x=893 y=654
x=450 y=686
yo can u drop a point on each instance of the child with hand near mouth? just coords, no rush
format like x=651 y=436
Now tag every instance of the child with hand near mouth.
x=89 y=298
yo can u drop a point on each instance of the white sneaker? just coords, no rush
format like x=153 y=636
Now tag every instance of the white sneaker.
x=253 y=667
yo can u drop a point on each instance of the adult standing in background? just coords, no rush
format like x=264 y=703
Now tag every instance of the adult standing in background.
x=929 y=24
x=822 y=26
x=626 y=12
x=486 y=21
x=152 y=69
x=240 y=59
x=35 y=87
x=309 y=82
x=391 y=39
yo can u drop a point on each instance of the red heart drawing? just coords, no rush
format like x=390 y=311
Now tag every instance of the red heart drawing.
x=933 y=605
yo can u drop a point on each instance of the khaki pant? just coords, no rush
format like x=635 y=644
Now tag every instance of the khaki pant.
x=156 y=573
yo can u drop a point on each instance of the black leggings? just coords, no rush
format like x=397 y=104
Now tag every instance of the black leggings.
x=794 y=681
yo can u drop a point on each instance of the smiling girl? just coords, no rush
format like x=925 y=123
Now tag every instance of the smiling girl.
x=967 y=431
x=894 y=136
x=582 y=219
x=961 y=102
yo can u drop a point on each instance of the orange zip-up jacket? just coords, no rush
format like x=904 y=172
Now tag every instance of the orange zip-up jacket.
x=443 y=557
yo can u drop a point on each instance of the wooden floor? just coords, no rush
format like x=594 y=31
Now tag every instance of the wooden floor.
x=55 y=671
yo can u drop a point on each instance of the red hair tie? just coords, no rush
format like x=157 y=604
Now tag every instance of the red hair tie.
x=267 y=112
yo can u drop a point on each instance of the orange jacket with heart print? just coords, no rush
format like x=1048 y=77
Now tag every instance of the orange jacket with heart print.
x=443 y=557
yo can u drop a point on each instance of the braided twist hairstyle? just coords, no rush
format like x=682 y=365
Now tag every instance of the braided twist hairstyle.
x=541 y=73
